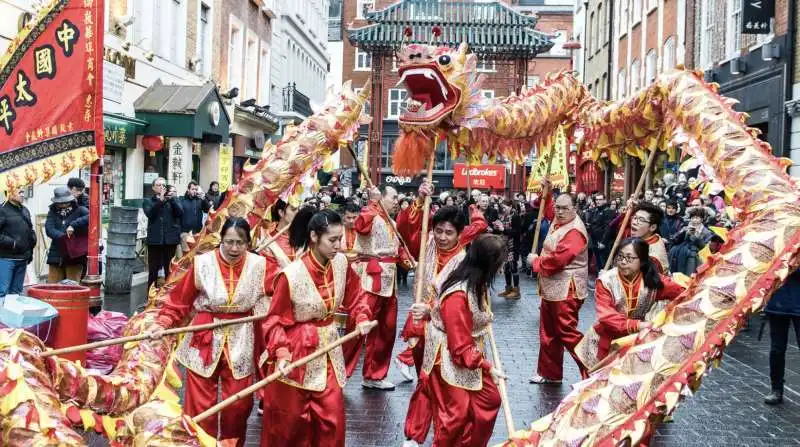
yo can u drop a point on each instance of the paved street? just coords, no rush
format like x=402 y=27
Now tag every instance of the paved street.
x=728 y=409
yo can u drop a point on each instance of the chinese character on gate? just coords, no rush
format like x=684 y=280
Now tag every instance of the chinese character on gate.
x=24 y=96
x=177 y=150
x=66 y=36
x=45 y=60
x=7 y=115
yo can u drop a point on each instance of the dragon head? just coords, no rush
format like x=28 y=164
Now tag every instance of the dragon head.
x=441 y=84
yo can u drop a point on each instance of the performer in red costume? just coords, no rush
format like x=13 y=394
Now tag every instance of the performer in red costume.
x=624 y=295
x=563 y=276
x=351 y=212
x=278 y=255
x=445 y=251
x=224 y=284
x=461 y=381
x=379 y=251
x=644 y=225
x=306 y=406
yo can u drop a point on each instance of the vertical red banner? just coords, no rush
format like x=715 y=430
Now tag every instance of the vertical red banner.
x=51 y=99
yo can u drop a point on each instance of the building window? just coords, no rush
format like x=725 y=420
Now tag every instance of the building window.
x=636 y=14
x=651 y=66
x=488 y=94
x=531 y=81
x=559 y=39
x=251 y=75
x=363 y=60
x=205 y=39
x=668 y=58
x=590 y=35
x=601 y=28
x=636 y=76
x=652 y=4
x=623 y=17
x=367 y=108
x=397 y=98
x=707 y=30
x=621 y=84
x=235 y=54
x=263 y=75
x=363 y=7
x=733 y=27
x=484 y=65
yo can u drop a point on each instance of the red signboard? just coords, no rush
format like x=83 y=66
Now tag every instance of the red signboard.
x=618 y=184
x=480 y=177
x=51 y=93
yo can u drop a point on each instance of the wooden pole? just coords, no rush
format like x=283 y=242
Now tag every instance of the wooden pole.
x=180 y=330
x=639 y=186
x=542 y=201
x=423 y=243
x=502 y=385
x=277 y=374
x=272 y=239
x=365 y=175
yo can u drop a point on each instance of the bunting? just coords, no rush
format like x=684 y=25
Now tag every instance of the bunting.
x=559 y=177
x=51 y=94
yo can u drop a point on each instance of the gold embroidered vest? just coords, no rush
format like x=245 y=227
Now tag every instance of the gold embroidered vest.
x=434 y=280
x=308 y=305
x=213 y=297
x=556 y=287
x=381 y=242
x=587 y=349
x=436 y=342
x=658 y=251
x=274 y=249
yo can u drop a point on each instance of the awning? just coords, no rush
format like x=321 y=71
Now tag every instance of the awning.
x=191 y=111
x=121 y=130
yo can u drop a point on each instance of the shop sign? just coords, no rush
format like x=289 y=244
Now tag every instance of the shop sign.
x=618 y=185
x=483 y=176
x=225 y=174
x=398 y=180
x=113 y=82
x=150 y=177
x=180 y=168
x=119 y=58
x=119 y=133
x=757 y=16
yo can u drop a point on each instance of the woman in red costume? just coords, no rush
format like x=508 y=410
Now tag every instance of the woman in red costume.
x=624 y=295
x=224 y=284
x=306 y=406
x=461 y=381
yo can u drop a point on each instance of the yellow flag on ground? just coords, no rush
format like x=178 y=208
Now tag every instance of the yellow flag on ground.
x=559 y=177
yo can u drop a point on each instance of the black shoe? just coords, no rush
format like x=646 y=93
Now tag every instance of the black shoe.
x=774 y=398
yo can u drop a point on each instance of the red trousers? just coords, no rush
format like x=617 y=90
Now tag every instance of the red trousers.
x=558 y=330
x=420 y=415
x=380 y=341
x=201 y=394
x=462 y=417
x=294 y=417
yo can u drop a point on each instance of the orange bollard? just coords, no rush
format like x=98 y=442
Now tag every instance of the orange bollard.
x=72 y=303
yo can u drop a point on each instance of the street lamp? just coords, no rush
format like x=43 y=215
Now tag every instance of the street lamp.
x=571 y=45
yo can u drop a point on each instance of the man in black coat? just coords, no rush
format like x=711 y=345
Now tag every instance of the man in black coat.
x=598 y=221
x=164 y=215
x=17 y=240
x=78 y=189
x=193 y=209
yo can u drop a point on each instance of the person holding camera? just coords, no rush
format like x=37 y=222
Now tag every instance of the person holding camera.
x=164 y=215
x=688 y=242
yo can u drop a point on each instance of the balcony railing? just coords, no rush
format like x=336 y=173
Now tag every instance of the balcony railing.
x=294 y=101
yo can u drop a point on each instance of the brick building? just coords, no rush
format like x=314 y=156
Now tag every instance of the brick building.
x=554 y=17
x=754 y=69
x=367 y=58
x=648 y=37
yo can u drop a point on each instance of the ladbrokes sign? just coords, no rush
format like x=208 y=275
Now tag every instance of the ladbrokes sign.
x=483 y=176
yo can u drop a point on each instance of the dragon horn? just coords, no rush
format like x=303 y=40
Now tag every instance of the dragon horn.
x=462 y=52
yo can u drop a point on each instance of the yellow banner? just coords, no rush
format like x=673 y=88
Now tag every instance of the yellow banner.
x=225 y=176
x=559 y=177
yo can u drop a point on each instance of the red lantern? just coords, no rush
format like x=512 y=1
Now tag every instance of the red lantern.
x=153 y=144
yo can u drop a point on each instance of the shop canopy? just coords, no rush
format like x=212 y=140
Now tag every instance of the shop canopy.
x=492 y=30
x=193 y=111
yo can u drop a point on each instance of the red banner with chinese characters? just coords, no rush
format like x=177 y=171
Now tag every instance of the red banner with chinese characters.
x=51 y=94
x=481 y=176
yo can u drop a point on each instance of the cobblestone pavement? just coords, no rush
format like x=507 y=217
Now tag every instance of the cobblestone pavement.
x=728 y=409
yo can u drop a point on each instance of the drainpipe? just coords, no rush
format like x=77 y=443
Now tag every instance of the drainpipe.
x=790 y=33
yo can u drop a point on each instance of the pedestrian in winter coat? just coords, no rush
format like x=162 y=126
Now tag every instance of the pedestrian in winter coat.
x=783 y=310
x=672 y=222
x=687 y=243
x=78 y=189
x=17 y=241
x=213 y=195
x=164 y=215
x=66 y=223
x=193 y=209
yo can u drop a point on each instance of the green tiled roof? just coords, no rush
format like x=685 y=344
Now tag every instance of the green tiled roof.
x=492 y=30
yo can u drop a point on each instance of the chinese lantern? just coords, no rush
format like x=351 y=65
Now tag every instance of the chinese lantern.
x=153 y=144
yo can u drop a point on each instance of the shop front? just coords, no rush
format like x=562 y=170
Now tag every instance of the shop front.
x=251 y=129
x=120 y=134
x=191 y=122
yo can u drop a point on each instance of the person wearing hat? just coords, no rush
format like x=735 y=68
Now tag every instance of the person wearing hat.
x=67 y=225
x=17 y=240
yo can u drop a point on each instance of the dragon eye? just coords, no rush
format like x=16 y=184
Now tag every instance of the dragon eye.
x=444 y=59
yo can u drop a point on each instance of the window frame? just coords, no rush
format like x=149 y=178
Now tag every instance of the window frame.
x=367 y=58
x=360 y=7
x=397 y=102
